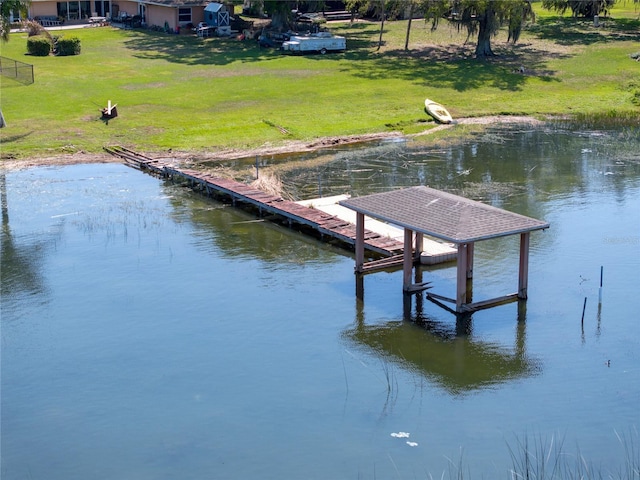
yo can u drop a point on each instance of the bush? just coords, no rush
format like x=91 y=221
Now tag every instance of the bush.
x=68 y=46
x=38 y=45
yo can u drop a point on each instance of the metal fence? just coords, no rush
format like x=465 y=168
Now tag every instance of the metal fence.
x=19 y=71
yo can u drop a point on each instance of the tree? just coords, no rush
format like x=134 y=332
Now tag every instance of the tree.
x=411 y=7
x=579 y=8
x=381 y=9
x=481 y=17
x=7 y=7
x=281 y=13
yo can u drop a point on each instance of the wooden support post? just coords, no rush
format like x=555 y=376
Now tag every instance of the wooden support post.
x=524 y=265
x=419 y=298
x=469 y=272
x=418 y=246
x=359 y=286
x=406 y=306
x=359 y=242
x=461 y=276
x=407 y=260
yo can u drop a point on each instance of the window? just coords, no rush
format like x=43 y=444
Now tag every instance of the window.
x=184 y=15
x=85 y=9
x=14 y=16
x=63 y=9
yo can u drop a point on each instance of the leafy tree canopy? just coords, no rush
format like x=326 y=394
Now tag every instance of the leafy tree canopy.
x=281 y=11
x=482 y=18
x=579 y=8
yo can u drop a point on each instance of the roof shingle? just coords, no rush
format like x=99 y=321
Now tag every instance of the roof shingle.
x=443 y=215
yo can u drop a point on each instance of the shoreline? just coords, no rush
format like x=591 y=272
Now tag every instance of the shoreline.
x=287 y=148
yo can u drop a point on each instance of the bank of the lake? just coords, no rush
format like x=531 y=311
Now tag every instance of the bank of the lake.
x=184 y=94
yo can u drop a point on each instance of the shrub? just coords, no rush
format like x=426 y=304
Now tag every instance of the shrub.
x=68 y=46
x=39 y=46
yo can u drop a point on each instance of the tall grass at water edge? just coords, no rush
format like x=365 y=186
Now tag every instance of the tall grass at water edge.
x=537 y=458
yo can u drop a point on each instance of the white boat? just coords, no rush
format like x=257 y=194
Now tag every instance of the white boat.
x=437 y=111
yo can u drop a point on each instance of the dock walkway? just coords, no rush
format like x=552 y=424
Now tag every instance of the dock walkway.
x=306 y=217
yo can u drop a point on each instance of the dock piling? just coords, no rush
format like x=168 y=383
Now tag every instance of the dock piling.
x=600 y=291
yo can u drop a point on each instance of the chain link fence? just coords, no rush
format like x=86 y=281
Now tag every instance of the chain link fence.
x=19 y=71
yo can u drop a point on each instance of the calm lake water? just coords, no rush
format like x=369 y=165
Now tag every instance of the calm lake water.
x=151 y=333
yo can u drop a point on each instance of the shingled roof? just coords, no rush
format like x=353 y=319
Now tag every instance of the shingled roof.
x=442 y=215
x=178 y=3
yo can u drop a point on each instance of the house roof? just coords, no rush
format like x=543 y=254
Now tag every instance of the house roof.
x=443 y=215
x=214 y=7
x=176 y=3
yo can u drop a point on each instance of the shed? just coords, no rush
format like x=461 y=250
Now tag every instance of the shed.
x=461 y=221
x=216 y=15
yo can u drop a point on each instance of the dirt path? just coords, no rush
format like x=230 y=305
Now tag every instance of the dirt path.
x=233 y=154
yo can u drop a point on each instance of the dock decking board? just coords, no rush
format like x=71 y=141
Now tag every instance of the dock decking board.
x=325 y=224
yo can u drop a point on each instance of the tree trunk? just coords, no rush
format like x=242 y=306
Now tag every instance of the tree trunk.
x=279 y=21
x=485 y=30
x=383 y=14
x=406 y=42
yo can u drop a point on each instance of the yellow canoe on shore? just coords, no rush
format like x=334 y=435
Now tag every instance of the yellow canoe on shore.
x=437 y=111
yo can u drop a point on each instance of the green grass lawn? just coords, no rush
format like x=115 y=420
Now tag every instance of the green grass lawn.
x=192 y=94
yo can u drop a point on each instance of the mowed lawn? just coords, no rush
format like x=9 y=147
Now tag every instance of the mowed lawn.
x=186 y=93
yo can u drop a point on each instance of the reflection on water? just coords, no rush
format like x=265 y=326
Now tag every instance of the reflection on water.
x=18 y=273
x=234 y=232
x=447 y=353
x=186 y=339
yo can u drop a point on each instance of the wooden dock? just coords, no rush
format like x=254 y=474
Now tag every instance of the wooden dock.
x=385 y=251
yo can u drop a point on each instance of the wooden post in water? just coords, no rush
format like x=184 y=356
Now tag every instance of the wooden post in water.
x=469 y=274
x=359 y=286
x=407 y=260
x=359 y=242
x=461 y=276
x=600 y=291
x=523 y=276
x=418 y=246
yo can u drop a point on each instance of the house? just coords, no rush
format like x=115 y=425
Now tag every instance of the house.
x=174 y=14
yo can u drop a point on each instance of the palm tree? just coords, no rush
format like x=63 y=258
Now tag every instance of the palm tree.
x=7 y=7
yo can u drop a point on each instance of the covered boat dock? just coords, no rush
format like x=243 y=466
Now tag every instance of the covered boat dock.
x=426 y=211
